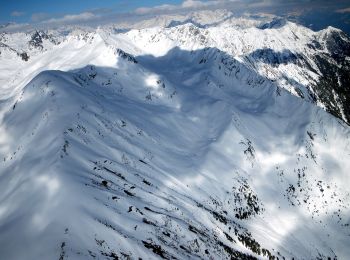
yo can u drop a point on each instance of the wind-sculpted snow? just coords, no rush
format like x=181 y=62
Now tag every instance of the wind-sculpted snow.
x=110 y=149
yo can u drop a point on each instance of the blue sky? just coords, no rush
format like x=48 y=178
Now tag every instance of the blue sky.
x=24 y=10
x=316 y=14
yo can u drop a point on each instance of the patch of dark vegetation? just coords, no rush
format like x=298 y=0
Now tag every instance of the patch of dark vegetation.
x=126 y=256
x=92 y=73
x=157 y=249
x=148 y=222
x=196 y=230
x=215 y=214
x=246 y=202
x=250 y=243
x=126 y=56
x=106 y=225
x=291 y=194
x=65 y=148
x=219 y=217
x=91 y=254
x=63 y=253
x=185 y=249
x=165 y=233
x=229 y=238
x=139 y=211
x=311 y=135
x=250 y=151
x=199 y=205
x=129 y=193
x=114 y=172
x=142 y=161
x=236 y=254
x=242 y=214
x=24 y=56
x=111 y=255
x=99 y=242
x=299 y=92
x=146 y=182
x=254 y=246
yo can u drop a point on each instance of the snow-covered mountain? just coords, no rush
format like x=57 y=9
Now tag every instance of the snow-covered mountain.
x=221 y=140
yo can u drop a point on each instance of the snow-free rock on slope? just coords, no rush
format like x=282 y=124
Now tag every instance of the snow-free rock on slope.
x=188 y=153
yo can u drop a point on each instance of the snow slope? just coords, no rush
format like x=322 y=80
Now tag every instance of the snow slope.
x=166 y=143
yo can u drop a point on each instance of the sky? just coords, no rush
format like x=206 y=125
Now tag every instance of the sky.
x=36 y=10
x=316 y=14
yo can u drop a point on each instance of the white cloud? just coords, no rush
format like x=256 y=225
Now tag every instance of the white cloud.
x=241 y=5
x=186 y=4
x=145 y=10
x=343 y=11
x=37 y=17
x=73 y=18
x=17 y=13
x=196 y=3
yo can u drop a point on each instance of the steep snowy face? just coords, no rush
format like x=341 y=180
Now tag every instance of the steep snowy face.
x=179 y=142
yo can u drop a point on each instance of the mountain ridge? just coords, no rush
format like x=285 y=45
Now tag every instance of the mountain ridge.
x=316 y=51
